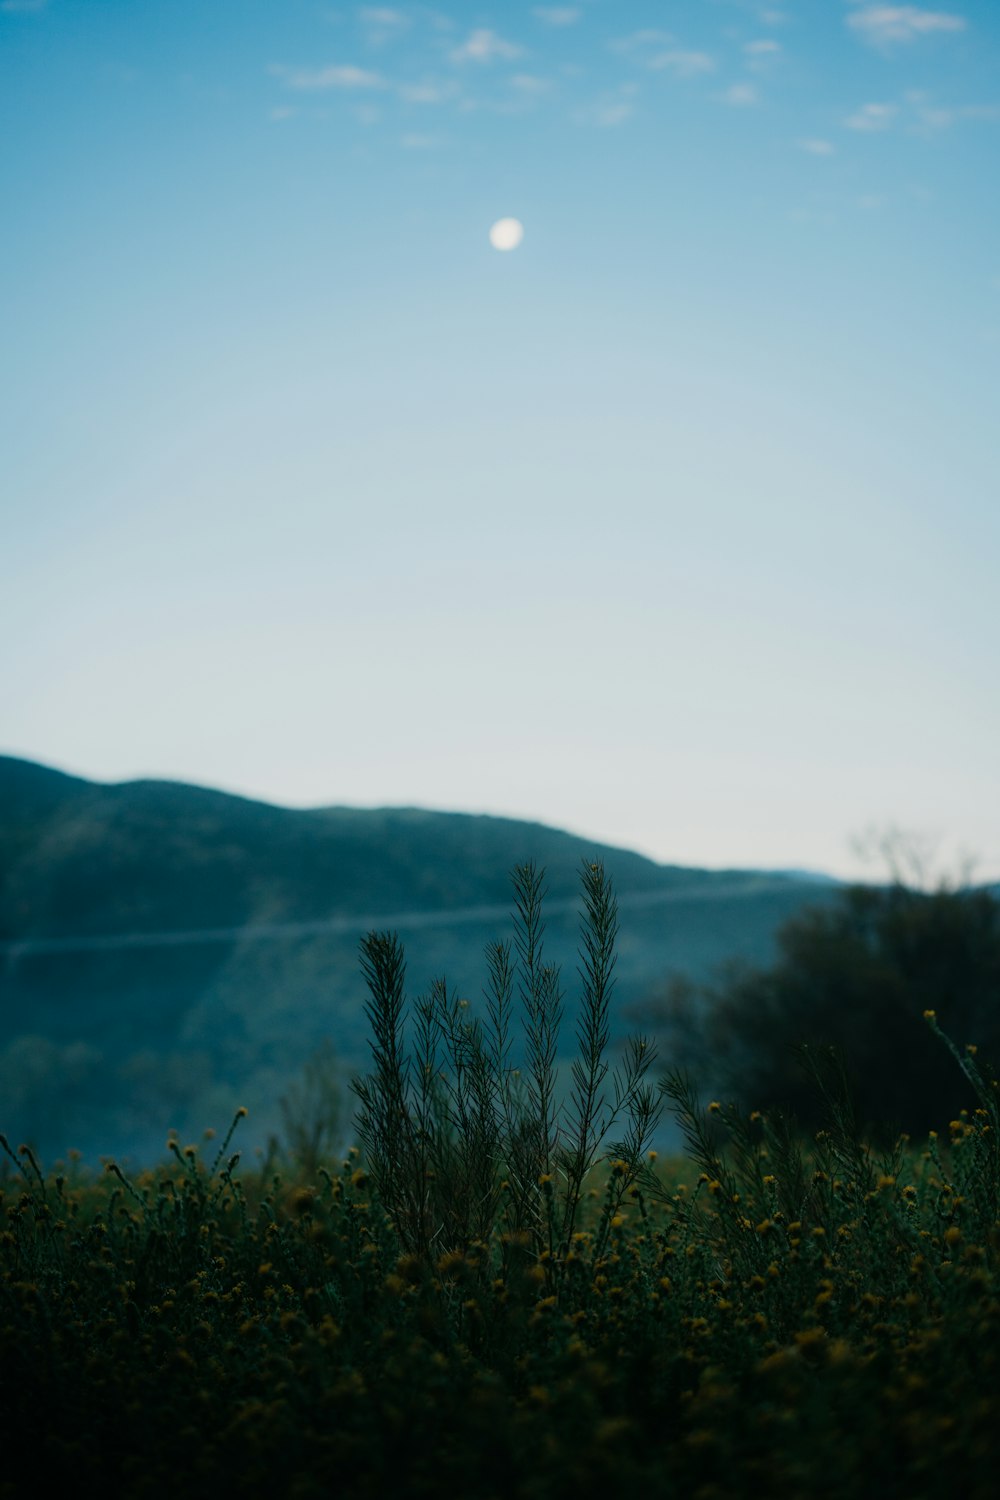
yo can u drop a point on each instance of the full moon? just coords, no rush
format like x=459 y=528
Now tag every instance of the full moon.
x=506 y=234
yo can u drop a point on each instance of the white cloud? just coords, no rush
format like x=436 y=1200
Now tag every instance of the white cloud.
x=612 y=114
x=341 y=76
x=638 y=41
x=762 y=54
x=607 y=112
x=817 y=147
x=428 y=92
x=930 y=116
x=657 y=49
x=935 y=118
x=557 y=15
x=282 y=112
x=871 y=117
x=882 y=24
x=740 y=95
x=485 y=46
x=382 y=15
x=414 y=142
x=382 y=23
x=528 y=83
x=683 y=64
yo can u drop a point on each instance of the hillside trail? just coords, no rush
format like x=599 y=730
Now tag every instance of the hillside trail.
x=14 y=949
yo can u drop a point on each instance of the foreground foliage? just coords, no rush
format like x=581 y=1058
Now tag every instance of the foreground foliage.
x=767 y=1317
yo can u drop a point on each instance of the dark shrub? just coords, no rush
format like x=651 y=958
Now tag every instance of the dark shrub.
x=857 y=974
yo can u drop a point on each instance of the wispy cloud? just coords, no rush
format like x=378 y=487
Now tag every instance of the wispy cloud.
x=382 y=23
x=642 y=41
x=936 y=119
x=929 y=116
x=612 y=114
x=884 y=24
x=485 y=46
x=817 y=147
x=658 y=50
x=382 y=15
x=762 y=54
x=871 y=117
x=530 y=83
x=932 y=117
x=557 y=15
x=610 y=110
x=430 y=91
x=335 y=76
x=740 y=95
x=414 y=142
x=682 y=64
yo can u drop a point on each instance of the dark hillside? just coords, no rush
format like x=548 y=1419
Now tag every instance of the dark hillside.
x=153 y=856
x=167 y=951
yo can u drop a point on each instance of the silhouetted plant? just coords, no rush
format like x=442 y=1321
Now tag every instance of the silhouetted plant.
x=458 y=1139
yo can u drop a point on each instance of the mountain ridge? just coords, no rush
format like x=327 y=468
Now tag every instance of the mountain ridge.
x=155 y=854
x=169 y=951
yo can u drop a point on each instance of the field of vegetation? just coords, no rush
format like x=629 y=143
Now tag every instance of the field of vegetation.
x=501 y=1291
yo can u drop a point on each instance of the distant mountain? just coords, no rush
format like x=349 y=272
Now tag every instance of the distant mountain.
x=166 y=949
x=78 y=858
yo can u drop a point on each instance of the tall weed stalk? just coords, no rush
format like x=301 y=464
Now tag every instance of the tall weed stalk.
x=460 y=1142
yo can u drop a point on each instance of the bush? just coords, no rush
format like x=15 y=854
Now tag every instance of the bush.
x=859 y=975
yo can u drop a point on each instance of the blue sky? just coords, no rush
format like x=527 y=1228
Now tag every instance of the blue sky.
x=676 y=526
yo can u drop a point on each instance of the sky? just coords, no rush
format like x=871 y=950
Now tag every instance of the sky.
x=676 y=525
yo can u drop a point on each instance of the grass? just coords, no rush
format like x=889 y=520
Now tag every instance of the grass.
x=494 y=1296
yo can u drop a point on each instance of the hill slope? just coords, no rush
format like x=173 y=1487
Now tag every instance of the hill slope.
x=79 y=858
x=166 y=949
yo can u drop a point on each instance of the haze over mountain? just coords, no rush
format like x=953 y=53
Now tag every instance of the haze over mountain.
x=170 y=951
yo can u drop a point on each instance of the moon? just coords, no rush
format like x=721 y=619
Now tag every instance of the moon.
x=506 y=234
